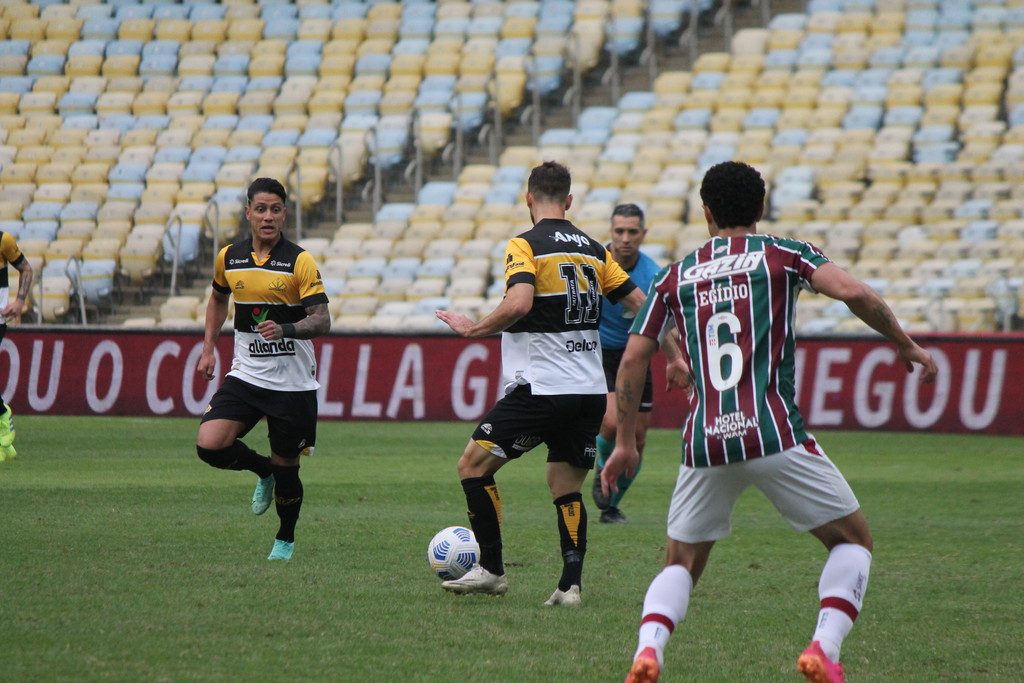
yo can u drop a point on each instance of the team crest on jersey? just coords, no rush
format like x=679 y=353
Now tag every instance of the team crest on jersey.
x=724 y=266
x=277 y=286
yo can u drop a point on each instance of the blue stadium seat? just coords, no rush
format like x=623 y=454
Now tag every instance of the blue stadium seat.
x=243 y=153
x=281 y=138
x=210 y=154
x=158 y=65
x=123 y=47
x=77 y=104
x=100 y=28
x=45 y=65
x=275 y=11
x=437 y=192
x=221 y=121
x=283 y=29
x=153 y=121
x=17 y=84
x=207 y=10
x=171 y=11
x=15 y=47
x=173 y=154
x=101 y=11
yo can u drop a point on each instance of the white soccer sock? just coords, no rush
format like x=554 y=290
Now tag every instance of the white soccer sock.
x=665 y=606
x=841 y=589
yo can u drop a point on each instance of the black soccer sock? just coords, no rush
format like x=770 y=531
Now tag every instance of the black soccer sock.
x=484 y=504
x=287 y=499
x=3 y=406
x=237 y=457
x=572 y=533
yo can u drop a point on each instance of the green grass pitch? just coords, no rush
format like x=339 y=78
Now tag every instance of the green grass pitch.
x=125 y=558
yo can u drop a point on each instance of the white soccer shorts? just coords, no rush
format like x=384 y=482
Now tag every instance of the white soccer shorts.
x=806 y=488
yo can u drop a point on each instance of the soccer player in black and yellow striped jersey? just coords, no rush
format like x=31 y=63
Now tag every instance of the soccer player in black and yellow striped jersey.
x=280 y=306
x=555 y=390
x=11 y=310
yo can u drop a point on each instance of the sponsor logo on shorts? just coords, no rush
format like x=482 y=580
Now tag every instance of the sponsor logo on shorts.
x=486 y=428
x=525 y=443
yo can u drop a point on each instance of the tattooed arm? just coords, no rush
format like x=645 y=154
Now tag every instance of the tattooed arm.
x=15 y=307
x=629 y=385
x=316 y=324
x=868 y=305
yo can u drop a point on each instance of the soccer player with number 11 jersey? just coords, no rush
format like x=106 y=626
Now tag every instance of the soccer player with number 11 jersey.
x=733 y=301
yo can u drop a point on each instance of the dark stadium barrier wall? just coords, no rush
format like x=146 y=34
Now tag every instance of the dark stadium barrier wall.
x=841 y=383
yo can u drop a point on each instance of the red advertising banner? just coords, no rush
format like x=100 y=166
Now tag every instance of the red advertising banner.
x=841 y=383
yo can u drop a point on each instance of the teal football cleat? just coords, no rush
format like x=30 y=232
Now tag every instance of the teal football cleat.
x=263 y=495
x=282 y=550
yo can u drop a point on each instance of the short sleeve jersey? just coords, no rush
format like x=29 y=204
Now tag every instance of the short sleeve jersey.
x=734 y=301
x=9 y=254
x=279 y=289
x=616 y=319
x=555 y=347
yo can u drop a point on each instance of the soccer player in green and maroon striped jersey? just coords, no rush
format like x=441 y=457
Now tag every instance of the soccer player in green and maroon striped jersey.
x=733 y=301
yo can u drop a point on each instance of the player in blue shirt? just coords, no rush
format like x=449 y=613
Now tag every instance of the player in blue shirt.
x=627 y=233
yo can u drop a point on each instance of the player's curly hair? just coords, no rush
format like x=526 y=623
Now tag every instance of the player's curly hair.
x=549 y=182
x=267 y=185
x=734 y=192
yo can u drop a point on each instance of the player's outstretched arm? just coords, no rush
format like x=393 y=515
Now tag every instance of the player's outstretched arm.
x=517 y=302
x=868 y=305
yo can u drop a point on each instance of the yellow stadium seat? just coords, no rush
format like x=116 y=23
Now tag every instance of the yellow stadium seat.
x=210 y=29
x=136 y=29
x=121 y=65
x=246 y=29
x=173 y=29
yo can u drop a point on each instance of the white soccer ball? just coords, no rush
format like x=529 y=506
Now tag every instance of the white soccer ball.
x=453 y=552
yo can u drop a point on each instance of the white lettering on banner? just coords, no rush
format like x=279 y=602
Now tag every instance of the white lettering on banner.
x=408 y=384
x=824 y=384
x=105 y=349
x=188 y=381
x=917 y=417
x=864 y=388
x=159 y=406
x=43 y=403
x=476 y=386
x=969 y=387
x=11 y=350
x=325 y=407
x=360 y=406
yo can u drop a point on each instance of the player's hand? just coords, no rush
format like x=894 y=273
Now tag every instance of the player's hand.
x=459 y=323
x=206 y=366
x=677 y=375
x=622 y=460
x=12 y=312
x=912 y=354
x=270 y=330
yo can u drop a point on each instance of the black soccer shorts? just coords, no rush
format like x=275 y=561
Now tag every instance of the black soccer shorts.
x=291 y=415
x=567 y=423
x=610 y=359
